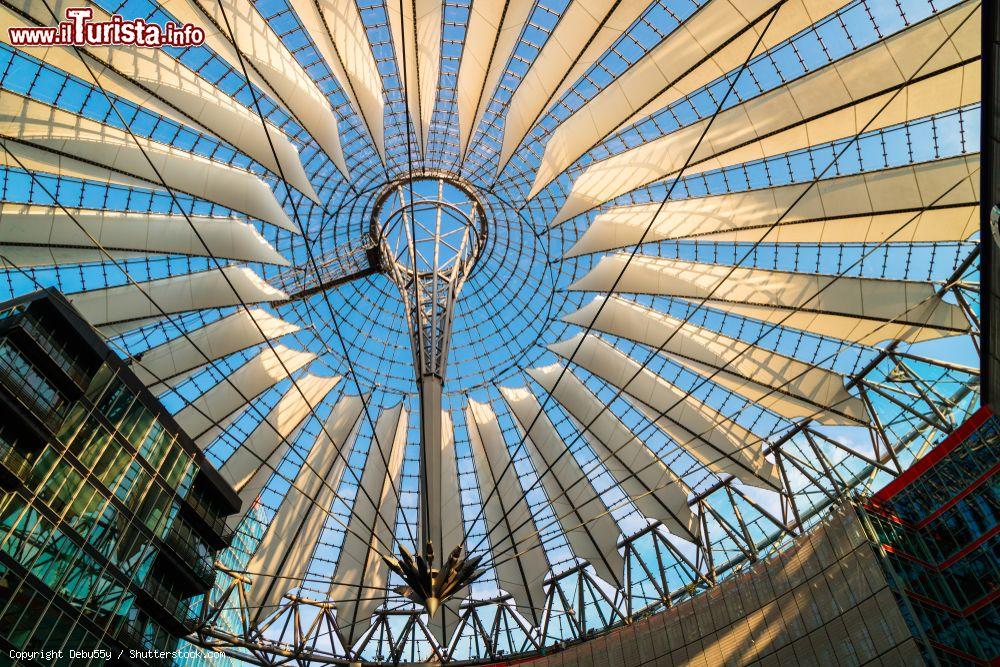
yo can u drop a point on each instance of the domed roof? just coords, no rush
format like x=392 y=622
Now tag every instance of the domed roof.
x=722 y=269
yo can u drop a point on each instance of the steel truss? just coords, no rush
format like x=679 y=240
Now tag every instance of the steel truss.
x=353 y=260
x=429 y=244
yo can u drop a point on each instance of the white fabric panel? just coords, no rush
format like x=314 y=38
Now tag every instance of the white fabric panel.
x=586 y=29
x=117 y=309
x=27 y=256
x=888 y=205
x=520 y=561
x=452 y=527
x=264 y=52
x=251 y=464
x=584 y=518
x=68 y=60
x=416 y=40
x=493 y=29
x=217 y=40
x=221 y=402
x=863 y=310
x=290 y=539
x=42 y=235
x=170 y=363
x=713 y=41
x=339 y=35
x=31 y=158
x=66 y=140
x=452 y=524
x=784 y=385
x=159 y=83
x=654 y=488
x=719 y=443
x=360 y=571
x=834 y=102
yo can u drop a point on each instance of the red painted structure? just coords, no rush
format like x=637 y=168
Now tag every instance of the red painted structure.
x=938 y=526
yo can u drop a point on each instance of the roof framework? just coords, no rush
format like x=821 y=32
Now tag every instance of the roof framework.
x=702 y=310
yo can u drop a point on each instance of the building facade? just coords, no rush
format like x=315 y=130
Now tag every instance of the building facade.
x=937 y=527
x=235 y=558
x=110 y=516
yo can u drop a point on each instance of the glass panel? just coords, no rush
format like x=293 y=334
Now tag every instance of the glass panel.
x=154 y=509
x=180 y=467
x=30 y=386
x=95 y=447
x=131 y=481
x=136 y=423
x=99 y=383
x=77 y=416
x=185 y=484
x=115 y=403
x=112 y=466
x=152 y=446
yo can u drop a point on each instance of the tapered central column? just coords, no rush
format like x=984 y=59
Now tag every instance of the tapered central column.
x=430 y=232
x=430 y=467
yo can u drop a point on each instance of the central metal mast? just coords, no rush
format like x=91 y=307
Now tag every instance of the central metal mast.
x=430 y=234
